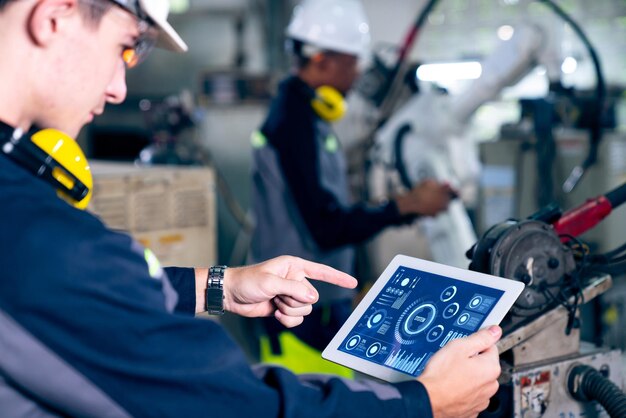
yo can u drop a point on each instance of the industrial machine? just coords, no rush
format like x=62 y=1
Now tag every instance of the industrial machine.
x=547 y=372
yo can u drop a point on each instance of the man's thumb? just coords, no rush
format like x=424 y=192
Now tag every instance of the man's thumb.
x=483 y=339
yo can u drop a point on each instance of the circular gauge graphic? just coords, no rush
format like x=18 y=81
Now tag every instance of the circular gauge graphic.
x=448 y=293
x=376 y=318
x=419 y=319
x=373 y=350
x=353 y=342
x=415 y=319
x=405 y=281
x=434 y=333
x=451 y=310
x=463 y=319
x=475 y=302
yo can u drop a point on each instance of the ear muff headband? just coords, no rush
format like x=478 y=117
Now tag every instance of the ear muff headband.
x=329 y=103
x=56 y=158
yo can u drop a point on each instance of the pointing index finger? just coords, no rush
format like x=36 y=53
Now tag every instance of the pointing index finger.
x=319 y=272
x=347 y=282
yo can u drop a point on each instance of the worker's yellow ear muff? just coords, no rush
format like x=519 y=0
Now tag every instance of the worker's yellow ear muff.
x=328 y=103
x=54 y=157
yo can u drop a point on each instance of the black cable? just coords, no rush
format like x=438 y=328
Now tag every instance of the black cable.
x=614 y=269
x=595 y=129
x=545 y=148
x=575 y=288
x=610 y=255
x=616 y=196
x=614 y=260
x=548 y=295
x=587 y=384
x=393 y=75
x=570 y=307
x=398 y=143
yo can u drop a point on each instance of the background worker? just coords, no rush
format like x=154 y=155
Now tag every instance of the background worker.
x=300 y=198
x=90 y=325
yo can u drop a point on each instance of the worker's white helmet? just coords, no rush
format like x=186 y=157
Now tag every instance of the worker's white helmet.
x=334 y=25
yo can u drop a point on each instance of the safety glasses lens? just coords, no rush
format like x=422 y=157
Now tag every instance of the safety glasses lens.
x=142 y=48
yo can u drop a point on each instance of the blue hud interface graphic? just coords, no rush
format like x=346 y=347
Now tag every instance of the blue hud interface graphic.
x=415 y=315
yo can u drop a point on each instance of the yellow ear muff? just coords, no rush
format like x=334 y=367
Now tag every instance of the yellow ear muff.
x=68 y=165
x=329 y=104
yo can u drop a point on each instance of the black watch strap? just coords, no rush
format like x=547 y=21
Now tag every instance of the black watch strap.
x=215 y=290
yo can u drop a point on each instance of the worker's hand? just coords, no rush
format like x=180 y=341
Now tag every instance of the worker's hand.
x=462 y=376
x=278 y=287
x=428 y=198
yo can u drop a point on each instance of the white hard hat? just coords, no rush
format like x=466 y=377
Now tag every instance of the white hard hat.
x=334 y=25
x=157 y=11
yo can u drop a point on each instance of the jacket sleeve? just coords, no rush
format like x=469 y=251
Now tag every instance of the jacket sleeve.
x=331 y=224
x=183 y=280
x=330 y=396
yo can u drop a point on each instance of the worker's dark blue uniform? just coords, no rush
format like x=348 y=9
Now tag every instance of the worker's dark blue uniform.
x=90 y=325
x=300 y=189
x=301 y=203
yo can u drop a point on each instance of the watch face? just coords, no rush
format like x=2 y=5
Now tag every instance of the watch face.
x=215 y=301
x=214 y=291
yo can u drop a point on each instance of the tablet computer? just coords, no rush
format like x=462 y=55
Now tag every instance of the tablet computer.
x=415 y=308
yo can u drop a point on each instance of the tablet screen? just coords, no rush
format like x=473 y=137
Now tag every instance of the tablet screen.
x=414 y=315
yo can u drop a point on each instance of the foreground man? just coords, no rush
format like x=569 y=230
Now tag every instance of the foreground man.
x=90 y=325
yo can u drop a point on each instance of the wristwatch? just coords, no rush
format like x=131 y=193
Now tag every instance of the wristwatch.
x=215 y=290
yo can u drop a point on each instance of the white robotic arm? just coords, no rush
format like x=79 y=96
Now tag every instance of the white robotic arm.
x=529 y=46
x=439 y=118
x=425 y=139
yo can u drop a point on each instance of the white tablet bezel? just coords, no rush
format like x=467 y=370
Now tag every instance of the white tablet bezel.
x=511 y=288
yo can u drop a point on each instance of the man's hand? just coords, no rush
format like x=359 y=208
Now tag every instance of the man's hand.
x=276 y=287
x=462 y=376
x=428 y=198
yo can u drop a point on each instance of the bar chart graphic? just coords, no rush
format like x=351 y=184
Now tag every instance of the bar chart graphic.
x=406 y=362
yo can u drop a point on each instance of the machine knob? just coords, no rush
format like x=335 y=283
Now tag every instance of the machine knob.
x=553 y=263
